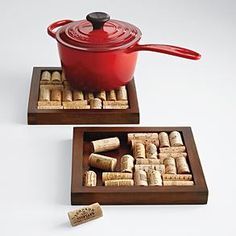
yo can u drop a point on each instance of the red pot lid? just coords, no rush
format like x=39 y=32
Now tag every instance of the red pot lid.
x=98 y=33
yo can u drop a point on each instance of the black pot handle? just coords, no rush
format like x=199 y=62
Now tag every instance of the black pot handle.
x=98 y=19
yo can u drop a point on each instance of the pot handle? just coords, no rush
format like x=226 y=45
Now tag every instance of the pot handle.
x=56 y=25
x=167 y=49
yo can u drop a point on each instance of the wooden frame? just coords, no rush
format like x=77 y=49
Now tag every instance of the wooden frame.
x=61 y=116
x=196 y=194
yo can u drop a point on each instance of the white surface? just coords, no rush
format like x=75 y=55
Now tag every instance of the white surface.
x=35 y=161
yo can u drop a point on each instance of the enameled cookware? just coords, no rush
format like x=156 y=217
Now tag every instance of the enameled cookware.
x=100 y=54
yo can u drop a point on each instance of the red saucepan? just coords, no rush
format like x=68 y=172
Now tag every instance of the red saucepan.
x=100 y=54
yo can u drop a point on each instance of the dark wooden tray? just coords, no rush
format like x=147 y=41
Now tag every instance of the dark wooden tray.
x=196 y=194
x=61 y=116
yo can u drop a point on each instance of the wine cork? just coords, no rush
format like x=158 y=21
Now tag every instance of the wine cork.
x=148 y=137
x=119 y=182
x=52 y=86
x=140 y=178
x=151 y=151
x=115 y=106
x=139 y=150
x=56 y=95
x=182 y=165
x=85 y=214
x=96 y=103
x=160 y=168
x=89 y=96
x=46 y=77
x=44 y=94
x=106 y=144
x=169 y=161
x=102 y=162
x=90 y=178
x=76 y=105
x=63 y=77
x=164 y=139
x=154 y=178
x=147 y=161
x=49 y=107
x=175 y=139
x=111 y=95
x=102 y=95
x=56 y=77
x=163 y=155
x=127 y=163
x=115 y=176
x=121 y=93
x=115 y=103
x=170 y=167
x=67 y=95
x=177 y=183
x=172 y=149
x=179 y=177
x=78 y=95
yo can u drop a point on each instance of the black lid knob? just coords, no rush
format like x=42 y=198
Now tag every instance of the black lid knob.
x=98 y=19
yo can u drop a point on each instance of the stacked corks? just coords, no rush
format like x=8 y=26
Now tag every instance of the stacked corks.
x=56 y=93
x=158 y=159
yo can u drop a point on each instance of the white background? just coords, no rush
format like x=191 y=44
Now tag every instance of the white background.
x=35 y=161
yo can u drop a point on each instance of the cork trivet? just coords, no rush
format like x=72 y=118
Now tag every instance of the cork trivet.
x=88 y=96
x=164 y=155
x=182 y=165
x=78 y=95
x=67 y=95
x=90 y=178
x=115 y=106
x=139 y=150
x=127 y=163
x=106 y=144
x=140 y=178
x=115 y=176
x=56 y=95
x=121 y=93
x=177 y=183
x=172 y=149
x=151 y=151
x=102 y=162
x=49 y=103
x=142 y=137
x=159 y=167
x=85 y=214
x=49 y=107
x=147 y=161
x=115 y=103
x=154 y=178
x=52 y=86
x=44 y=94
x=45 y=77
x=56 y=77
x=119 y=182
x=96 y=103
x=175 y=139
x=111 y=95
x=102 y=95
x=164 y=139
x=179 y=177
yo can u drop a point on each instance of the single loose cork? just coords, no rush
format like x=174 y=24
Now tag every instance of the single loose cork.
x=147 y=161
x=158 y=167
x=182 y=165
x=67 y=95
x=115 y=106
x=139 y=151
x=115 y=176
x=78 y=95
x=121 y=93
x=142 y=137
x=163 y=155
x=102 y=162
x=56 y=77
x=154 y=178
x=106 y=144
x=45 y=77
x=88 y=96
x=96 y=103
x=151 y=151
x=44 y=94
x=111 y=95
x=90 y=178
x=102 y=95
x=140 y=178
x=172 y=149
x=179 y=177
x=175 y=139
x=56 y=95
x=119 y=182
x=164 y=139
x=127 y=163
x=85 y=214
x=177 y=183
